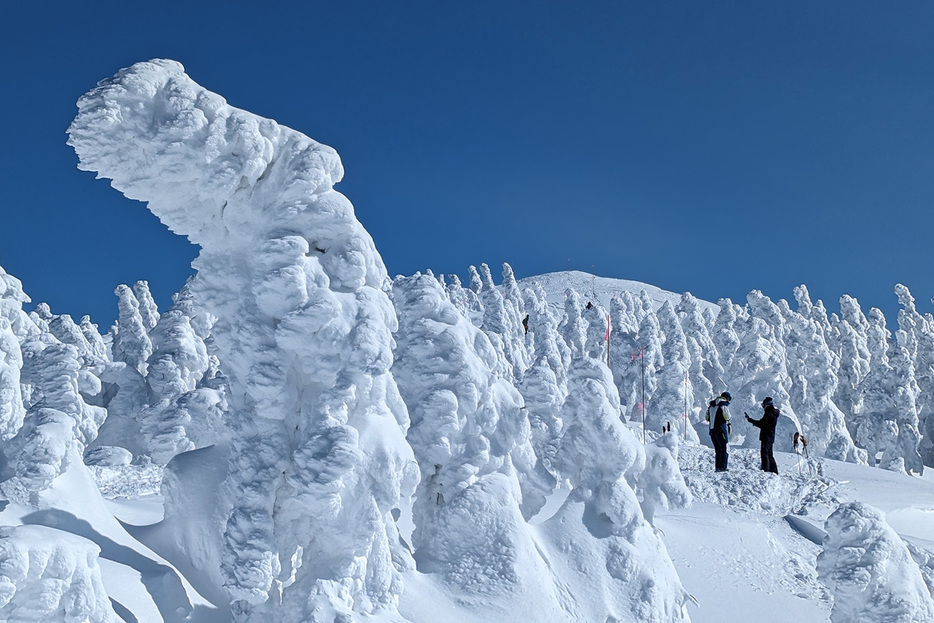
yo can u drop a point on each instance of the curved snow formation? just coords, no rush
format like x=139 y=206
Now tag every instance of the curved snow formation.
x=319 y=459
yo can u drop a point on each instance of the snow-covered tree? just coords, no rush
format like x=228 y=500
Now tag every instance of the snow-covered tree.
x=853 y=352
x=174 y=371
x=661 y=485
x=869 y=570
x=148 y=310
x=456 y=294
x=648 y=361
x=131 y=343
x=318 y=459
x=471 y=439
x=705 y=371
x=604 y=461
x=758 y=370
x=595 y=318
x=502 y=324
x=918 y=340
x=725 y=337
x=874 y=422
x=14 y=327
x=905 y=392
x=673 y=400
x=573 y=328
x=809 y=362
x=51 y=575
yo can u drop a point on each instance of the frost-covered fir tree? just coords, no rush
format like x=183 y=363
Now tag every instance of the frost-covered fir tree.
x=573 y=328
x=604 y=461
x=869 y=570
x=172 y=421
x=471 y=439
x=648 y=361
x=511 y=291
x=875 y=421
x=148 y=310
x=624 y=349
x=758 y=370
x=919 y=341
x=502 y=324
x=905 y=393
x=318 y=459
x=596 y=319
x=725 y=337
x=673 y=399
x=705 y=371
x=14 y=328
x=661 y=485
x=547 y=343
x=809 y=362
x=853 y=352
x=456 y=294
x=131 y=343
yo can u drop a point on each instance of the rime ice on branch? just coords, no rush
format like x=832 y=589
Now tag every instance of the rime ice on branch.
x=318 y=455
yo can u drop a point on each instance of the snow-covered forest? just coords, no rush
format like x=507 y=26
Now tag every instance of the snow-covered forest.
x=328 y=443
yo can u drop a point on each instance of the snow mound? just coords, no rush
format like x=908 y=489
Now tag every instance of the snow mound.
x=745 y=486
x=870 y=571
x=50 y=575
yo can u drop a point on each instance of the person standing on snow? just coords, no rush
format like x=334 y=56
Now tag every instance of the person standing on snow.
x=766 y=426
x=718 y=417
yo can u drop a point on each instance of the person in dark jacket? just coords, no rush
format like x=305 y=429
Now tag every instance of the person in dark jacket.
x=766 y=426
x=718 y=417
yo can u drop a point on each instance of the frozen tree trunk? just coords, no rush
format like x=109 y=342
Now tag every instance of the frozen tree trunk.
x=318 y=455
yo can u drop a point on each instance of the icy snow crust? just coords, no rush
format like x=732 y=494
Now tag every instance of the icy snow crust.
x=299 y=439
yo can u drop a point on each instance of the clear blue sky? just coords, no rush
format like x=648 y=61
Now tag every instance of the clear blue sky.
x=711 y=147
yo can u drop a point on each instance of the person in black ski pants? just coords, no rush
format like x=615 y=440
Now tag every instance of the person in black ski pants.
x=718 y=417
x=766 y=426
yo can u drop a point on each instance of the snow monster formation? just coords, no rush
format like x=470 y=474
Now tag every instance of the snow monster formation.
x=318 y=461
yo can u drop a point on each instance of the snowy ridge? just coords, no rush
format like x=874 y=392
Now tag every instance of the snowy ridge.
x=600 y=289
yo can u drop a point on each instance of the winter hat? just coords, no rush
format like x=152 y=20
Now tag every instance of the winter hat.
x=726 y=396
x=767 y=401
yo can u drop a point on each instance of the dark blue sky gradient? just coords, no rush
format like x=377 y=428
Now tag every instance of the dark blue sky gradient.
x=711 y=147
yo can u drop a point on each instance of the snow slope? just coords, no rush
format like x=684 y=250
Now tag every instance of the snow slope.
x=746 y=548
x=601 y=289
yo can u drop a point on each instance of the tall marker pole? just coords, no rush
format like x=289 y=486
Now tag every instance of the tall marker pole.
x=642 y=357
x=685 y=405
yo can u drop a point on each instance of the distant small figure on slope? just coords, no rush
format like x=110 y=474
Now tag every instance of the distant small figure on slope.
x=766 y=426
x=718 y=416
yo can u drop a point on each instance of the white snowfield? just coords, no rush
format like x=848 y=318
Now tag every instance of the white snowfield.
x=299 y=438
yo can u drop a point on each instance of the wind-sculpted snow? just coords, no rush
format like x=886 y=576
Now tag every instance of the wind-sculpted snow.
x=870 y=571
x=319 y=459
x=49 y=575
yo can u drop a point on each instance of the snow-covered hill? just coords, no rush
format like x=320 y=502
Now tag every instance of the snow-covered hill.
x=601 y=289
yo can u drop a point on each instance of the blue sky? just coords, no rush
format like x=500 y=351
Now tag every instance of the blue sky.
x=710 y=147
